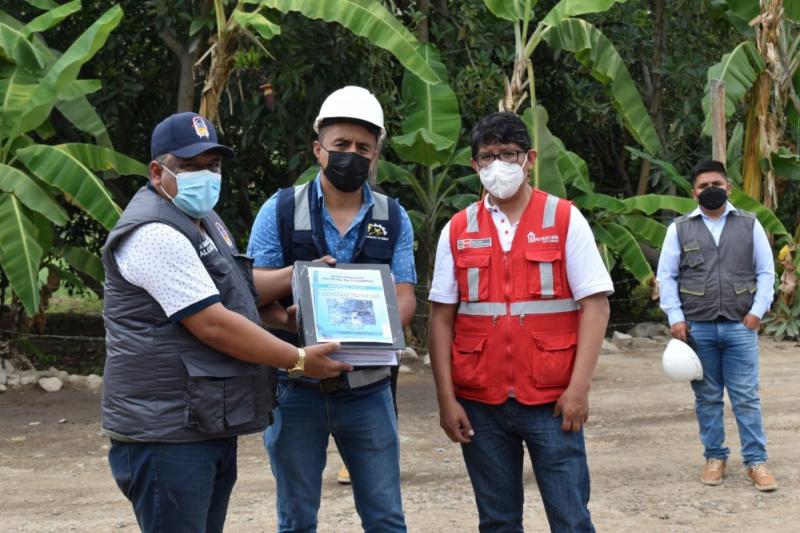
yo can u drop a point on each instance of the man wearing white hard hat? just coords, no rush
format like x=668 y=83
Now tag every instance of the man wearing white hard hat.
x=716 y=276
x=336 y=217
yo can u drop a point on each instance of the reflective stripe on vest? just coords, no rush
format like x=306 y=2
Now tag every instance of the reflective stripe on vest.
x=474 y=283
x=529 y=307
x=546 y=279
x=380 y=207
x=302 y=215
x=472 y=218
x=549 y=217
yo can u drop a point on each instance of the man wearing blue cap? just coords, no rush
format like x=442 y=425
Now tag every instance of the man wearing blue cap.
x=188 y=367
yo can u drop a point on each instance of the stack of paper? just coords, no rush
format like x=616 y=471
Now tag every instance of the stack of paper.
x=353 y=304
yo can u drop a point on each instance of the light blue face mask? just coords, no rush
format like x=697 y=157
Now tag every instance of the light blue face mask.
x=198 y=191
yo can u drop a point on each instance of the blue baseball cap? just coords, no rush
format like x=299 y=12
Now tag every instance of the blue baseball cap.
x=185 y=135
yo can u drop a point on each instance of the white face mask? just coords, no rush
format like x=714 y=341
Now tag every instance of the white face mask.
x=502 y=179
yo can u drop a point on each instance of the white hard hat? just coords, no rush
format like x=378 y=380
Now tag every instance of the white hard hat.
x=353 y=103
x=680 y=362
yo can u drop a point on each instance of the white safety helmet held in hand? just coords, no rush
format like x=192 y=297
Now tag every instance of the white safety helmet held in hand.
x=352 y=103
x=680 y=362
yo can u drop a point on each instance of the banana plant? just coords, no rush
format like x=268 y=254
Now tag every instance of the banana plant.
x=38 y=178
x=366 y=18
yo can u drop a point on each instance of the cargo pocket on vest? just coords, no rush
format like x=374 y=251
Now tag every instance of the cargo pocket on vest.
x=205 y=404
x=240 y=396
x=554 y=358
x=472 y=275
x=692 y=256
x=544 y=269
x=466 y=365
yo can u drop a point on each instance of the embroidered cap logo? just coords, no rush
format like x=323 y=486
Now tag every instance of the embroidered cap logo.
x=200 y=127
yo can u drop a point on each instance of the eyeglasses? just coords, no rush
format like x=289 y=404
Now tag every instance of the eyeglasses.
x=509 y=156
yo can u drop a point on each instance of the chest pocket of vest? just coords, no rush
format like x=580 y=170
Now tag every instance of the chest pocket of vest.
x=553 y=358
x=544 y=271
x=692 y=256
x=472 y=274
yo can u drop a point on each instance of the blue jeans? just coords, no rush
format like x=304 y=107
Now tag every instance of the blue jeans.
x=364 y=428
x=181 y=487
x=728 y=352
x=494 y=461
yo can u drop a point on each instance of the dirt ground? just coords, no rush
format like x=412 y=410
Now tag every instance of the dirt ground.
x=644 y=457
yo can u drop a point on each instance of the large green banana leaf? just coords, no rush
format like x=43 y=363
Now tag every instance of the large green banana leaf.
x=67 y=173
x=99 y=158
x=51 y=18
x=79 y=111
x=739 y=69
x=555 y=167
x=21 y=253
x=14 y=45
x=30 y=193
x=366 y=18
x=650 y=203
x=645 y=228
x=600 y=201
x=266 y=29
x=512 y=10
x=67 y=66
x=570 y=8
x=84 y=261
x=627 y=248
x=433 y=123
x=767 y=218
x=16 y=90
x=596 y=52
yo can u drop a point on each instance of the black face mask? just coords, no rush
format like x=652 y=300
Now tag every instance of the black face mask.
x=712 y=197
x=347 y=171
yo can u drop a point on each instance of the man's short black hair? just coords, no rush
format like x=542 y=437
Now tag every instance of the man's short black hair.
x=372 y=128
x=500 y=128
x=709 y=165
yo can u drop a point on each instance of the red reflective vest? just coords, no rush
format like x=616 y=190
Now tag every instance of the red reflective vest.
x=516 y=330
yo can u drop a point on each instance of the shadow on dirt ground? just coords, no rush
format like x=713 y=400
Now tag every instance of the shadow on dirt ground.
x=644 y=457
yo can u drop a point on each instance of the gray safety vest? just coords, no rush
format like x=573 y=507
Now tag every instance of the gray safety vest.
x=716 y=280
x=162 y=384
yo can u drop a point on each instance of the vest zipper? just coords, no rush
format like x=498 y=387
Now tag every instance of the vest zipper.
x=506 y=277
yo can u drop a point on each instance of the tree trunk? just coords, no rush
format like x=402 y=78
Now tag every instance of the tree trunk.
x=656 y=87
x=424 y=7
x=218 y=74
x=187 y=55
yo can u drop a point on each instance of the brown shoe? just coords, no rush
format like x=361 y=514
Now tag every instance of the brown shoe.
x=713 y=472
x=762 y=478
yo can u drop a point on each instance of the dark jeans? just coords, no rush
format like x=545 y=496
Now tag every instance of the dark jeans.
x=494 y=461
x=176 y=487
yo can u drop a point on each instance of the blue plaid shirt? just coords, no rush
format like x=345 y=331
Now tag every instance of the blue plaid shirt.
x=265 y=243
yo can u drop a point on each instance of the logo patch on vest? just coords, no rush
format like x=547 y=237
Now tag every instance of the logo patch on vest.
x=463 y=244
x=224 y=234
x=532 y=237
x=377 y=231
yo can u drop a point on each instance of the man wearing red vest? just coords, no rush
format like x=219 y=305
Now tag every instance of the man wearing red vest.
x=520 y=306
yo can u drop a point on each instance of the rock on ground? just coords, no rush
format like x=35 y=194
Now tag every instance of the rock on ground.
x=50 y=384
